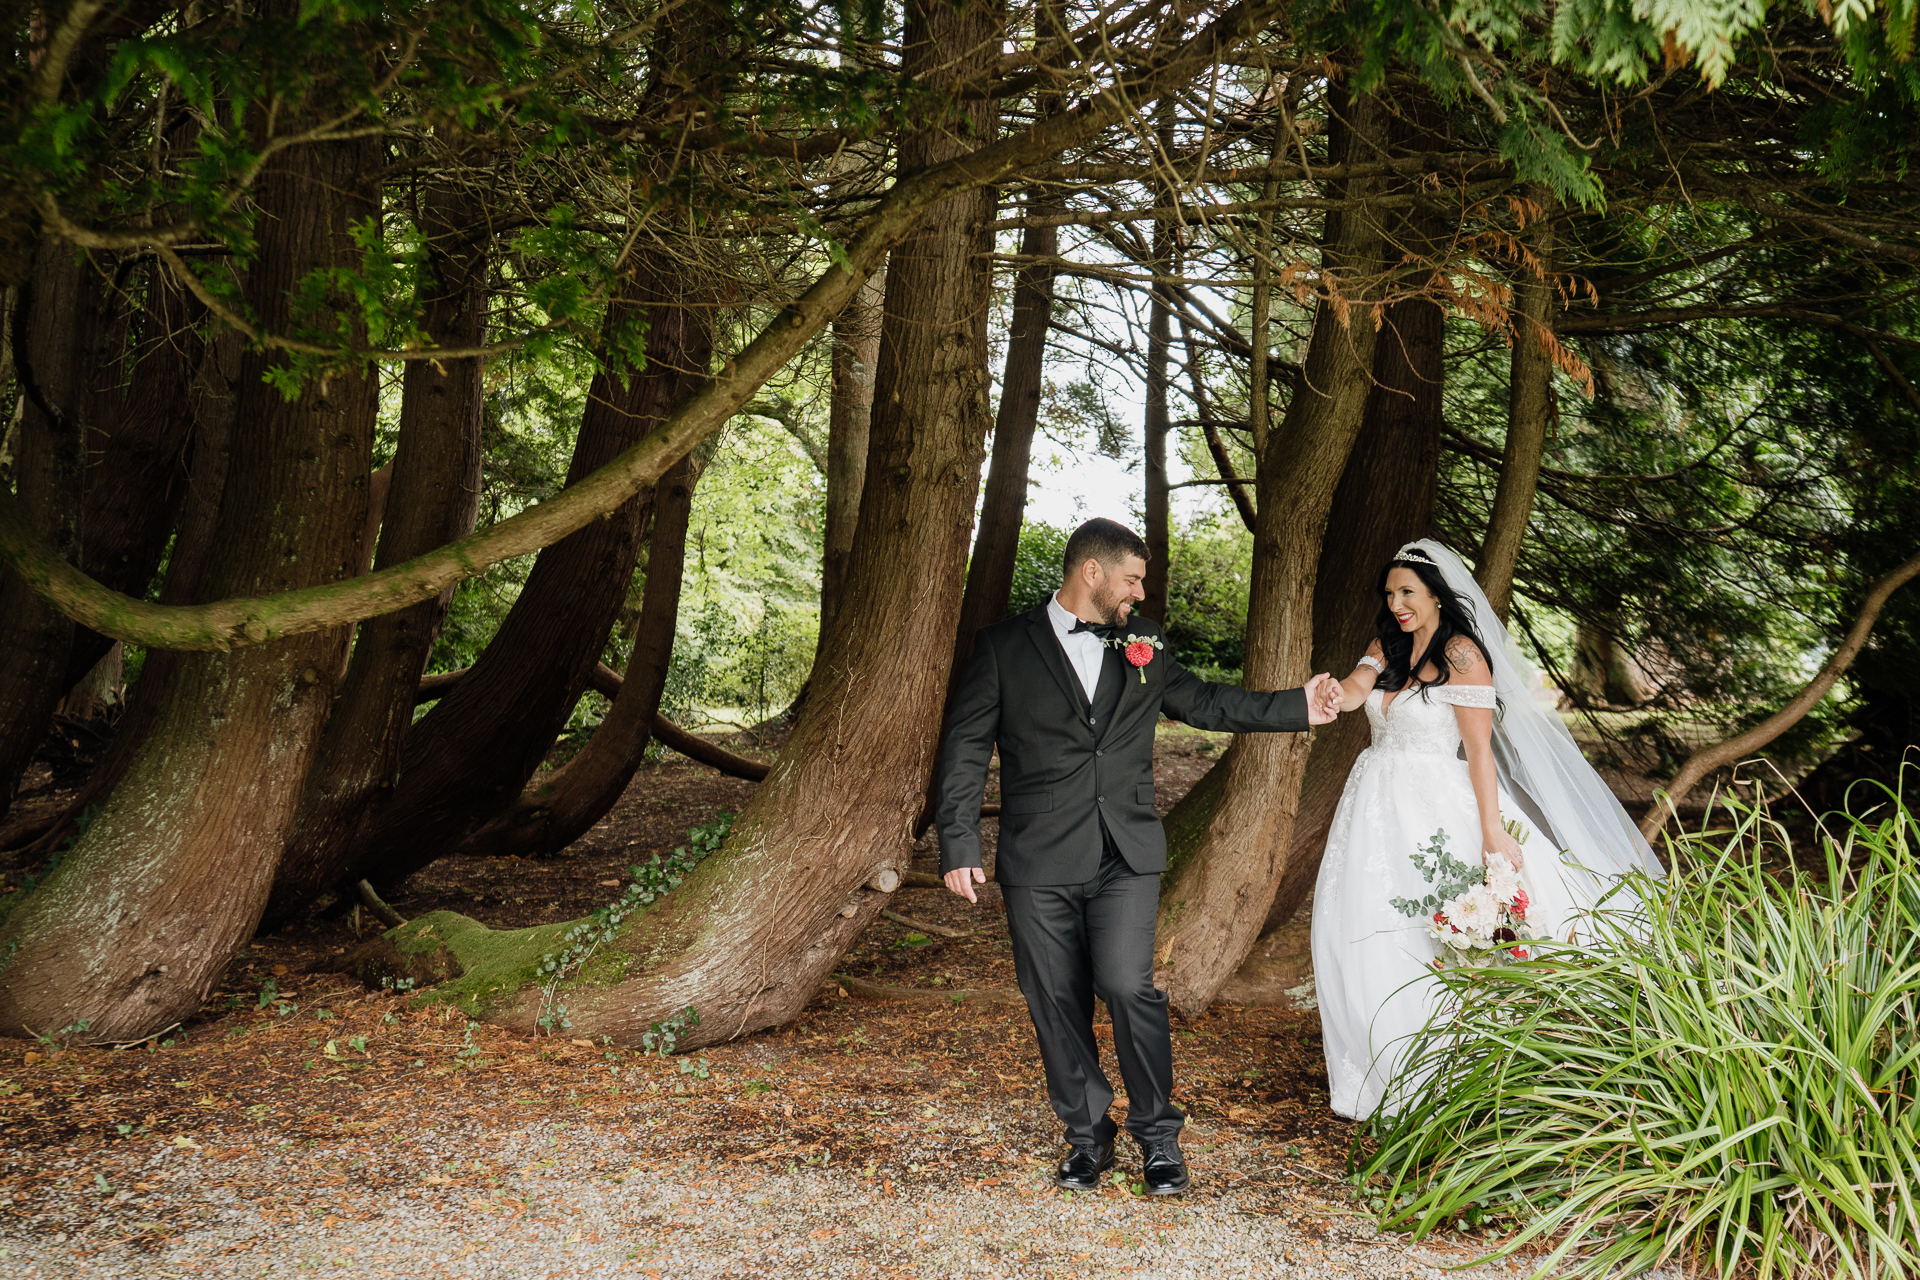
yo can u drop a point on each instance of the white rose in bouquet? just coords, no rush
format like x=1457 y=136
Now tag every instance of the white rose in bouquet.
x=1476 y=913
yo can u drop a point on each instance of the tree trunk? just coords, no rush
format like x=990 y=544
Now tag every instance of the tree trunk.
x=1156 y=426
x=212 y=403
x=58 y=330
x=1231 y=844
x=1385 y=499
x=468 y=759
x=560 y=809
x=433 y=496
x=1003 y=508
x=856 y=350
x=131 y=931
x=750 y=936
x=135 y=476
x=1604 y=669
x=1529 y=406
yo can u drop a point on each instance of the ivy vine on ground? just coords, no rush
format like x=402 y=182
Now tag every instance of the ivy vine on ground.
x=651 y=882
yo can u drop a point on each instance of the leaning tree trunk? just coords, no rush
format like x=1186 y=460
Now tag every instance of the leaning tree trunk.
x=1529 y=406
x=1385 y=499
x=1156 y=426
x=1003 y=508
x=556 y=811
x=432 y=499
x=856 y=350
x=468 y=760
x=131 y=931
x=1229 y=845
x=749 y=937
x=212 y=399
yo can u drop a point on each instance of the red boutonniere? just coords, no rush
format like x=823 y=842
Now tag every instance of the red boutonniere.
x=1139 y=651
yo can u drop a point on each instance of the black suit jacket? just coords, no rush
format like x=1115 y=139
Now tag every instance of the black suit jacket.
x=1069 y=769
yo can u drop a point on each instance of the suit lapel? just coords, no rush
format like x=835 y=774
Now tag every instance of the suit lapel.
x=1111 y=689
x=1040 y=631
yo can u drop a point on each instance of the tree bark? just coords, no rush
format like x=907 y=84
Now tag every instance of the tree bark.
x=1385 y=499
x=135 y=477
x=607 y=683
x=58 y=325
x=750 y=936
x=433 y=497
x=213 y=402
x=1156 y=425
x=1529 y=406
x=1229 y=847
x=1003 y=507
x=131 y=931
x=856 y=350
x=558 y=810
x=468 y=759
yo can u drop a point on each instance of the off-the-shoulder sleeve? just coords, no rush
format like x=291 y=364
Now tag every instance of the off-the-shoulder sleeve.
x=1368 y=660
x=1467 y=695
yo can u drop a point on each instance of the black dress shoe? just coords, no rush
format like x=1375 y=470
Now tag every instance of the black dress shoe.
x=1165 y=1173
x=1082 y=1168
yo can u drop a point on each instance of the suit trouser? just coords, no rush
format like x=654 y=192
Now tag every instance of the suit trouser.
x=1071 y=943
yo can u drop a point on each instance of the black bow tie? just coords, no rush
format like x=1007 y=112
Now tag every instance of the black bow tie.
x=1100 y=629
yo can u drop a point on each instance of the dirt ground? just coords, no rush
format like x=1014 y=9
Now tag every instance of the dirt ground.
x=311 y=1127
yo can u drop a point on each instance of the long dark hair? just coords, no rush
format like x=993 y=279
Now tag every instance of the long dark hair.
x=1396 y=646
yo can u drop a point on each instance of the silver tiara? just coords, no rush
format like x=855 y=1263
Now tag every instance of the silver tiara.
x=1414 y=553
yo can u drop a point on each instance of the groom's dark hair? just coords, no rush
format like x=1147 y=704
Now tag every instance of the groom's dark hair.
x=1107 y=541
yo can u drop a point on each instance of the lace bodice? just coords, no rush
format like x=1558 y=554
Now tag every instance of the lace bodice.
x=1422 y=719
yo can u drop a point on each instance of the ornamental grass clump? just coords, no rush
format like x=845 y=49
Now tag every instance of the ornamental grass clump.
x=1721 y=1077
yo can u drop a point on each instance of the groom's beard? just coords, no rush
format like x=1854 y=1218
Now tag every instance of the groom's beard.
x=1112 y=607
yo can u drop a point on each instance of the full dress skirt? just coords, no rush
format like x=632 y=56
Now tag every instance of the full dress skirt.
x=1373 y=965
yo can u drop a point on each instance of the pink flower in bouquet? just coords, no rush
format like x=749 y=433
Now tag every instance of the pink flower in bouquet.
x=1520 y=901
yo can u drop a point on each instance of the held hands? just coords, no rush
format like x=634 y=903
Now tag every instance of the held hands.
x=1323 y=699
x=962 y=879
x=1501 y=844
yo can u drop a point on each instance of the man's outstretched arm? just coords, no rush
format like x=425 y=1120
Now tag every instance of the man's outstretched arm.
x=1229 y=708
x=966 y=748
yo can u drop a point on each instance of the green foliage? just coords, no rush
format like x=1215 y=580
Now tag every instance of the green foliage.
x=749 y=600
x=1036 y=567
x=1722 y=1077
x=1449 y=877
x=665 y=1036
x=1207 y=585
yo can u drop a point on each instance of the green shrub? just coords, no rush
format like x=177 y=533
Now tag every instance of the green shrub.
x=1725 y=1079
x=1206 y=618
x=1036 y=566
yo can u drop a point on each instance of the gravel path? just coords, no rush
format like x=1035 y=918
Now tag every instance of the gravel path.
x=570 y=1200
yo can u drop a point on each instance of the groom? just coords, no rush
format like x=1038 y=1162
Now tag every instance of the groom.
x=1070 y=692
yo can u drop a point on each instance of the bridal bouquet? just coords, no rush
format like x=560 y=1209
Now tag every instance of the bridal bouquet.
x=1478 y=913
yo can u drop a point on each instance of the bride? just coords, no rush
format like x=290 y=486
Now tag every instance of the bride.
x=1460 y=748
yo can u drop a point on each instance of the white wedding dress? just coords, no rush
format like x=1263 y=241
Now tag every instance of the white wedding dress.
x=1372 y=965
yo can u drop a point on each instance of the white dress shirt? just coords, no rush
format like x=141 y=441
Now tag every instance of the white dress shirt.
x=1085 y=653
